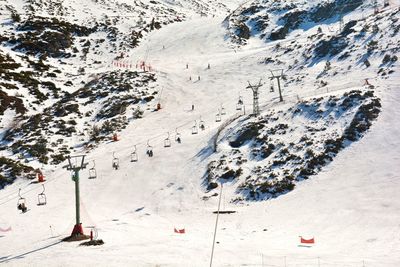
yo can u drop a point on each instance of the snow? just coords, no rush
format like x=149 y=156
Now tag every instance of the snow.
x=351 y=208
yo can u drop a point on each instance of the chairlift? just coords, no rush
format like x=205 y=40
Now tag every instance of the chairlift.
x=223 y=112
x=92 y=171
x=202 y=125
x=272 y=89
x=115 y=162
x=149 y=151
x=167 y=141
x=239 y=103
x=42 y=200
x=134 y=156
x=194 y=128
x=21 y=204
x=218 y=116
x=177 y=136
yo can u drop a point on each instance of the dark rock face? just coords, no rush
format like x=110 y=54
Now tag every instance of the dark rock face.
x=242 y=31
x=49 y=37
x=264 y=165
x=330 y=47
x=291 y=17
x=11 y=102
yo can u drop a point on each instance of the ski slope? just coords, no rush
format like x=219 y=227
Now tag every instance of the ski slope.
x=351 y=208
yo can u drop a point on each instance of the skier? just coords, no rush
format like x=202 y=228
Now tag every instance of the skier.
x=178 y=139
x=187 y=65
x=198 y=78
x=192 y=107
x=208 y=67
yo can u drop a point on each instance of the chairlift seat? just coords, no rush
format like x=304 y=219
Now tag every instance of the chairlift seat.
x=21 y=205
x=92 y=173
x=178 y=137
x=134 y=157
x=115 y=163
x=167 y=142
x=42 y=200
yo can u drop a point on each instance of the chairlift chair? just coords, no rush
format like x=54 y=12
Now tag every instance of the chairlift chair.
x=115 y=162
x=21 y=204
x=167 y=141
x=201 y=124
x=239 y=103
x=272 y=89
x=177 y=136
x=218 y=117
x=223 y=112
x=92 y=171
x=42 y=200
x=194 y=128
x=134 y=156
x=149 y=151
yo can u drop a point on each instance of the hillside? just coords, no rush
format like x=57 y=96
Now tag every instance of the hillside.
x=322 y=163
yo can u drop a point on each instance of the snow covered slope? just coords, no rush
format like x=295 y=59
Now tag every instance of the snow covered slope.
x=350 y=206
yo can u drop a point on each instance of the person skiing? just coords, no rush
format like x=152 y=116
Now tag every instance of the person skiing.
x=178 y=139
x=208 y=67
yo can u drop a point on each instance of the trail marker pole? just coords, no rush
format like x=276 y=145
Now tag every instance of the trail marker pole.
x=262 y=260
x=215 y=229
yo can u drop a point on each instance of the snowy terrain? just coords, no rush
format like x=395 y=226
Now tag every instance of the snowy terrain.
x=351 y=206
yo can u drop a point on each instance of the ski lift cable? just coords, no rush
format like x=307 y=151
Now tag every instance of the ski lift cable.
x=30 y=190
x=13 y=192
x=57 y=177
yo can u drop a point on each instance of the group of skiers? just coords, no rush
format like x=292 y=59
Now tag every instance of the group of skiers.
x=198 y=76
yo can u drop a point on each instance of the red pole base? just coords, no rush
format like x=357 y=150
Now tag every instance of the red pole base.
x=78 y=230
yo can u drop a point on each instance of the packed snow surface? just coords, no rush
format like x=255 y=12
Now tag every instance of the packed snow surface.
x=351 y=208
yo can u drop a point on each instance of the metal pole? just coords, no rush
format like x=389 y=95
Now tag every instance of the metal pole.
x=215 y=229
x=262 y=260
x=279 y=87
x=77 y=206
